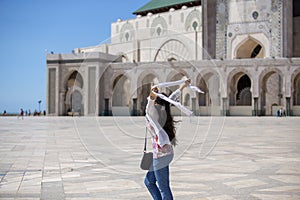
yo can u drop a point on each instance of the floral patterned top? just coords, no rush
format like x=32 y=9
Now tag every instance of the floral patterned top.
x=155 y=121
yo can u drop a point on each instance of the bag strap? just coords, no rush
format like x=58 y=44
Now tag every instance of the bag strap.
x=145 y=145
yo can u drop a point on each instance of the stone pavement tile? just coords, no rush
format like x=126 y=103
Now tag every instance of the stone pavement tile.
x=11 y=182
x=287 y=178
x=98 y=158
x=221 y=197
x=276 y=197
x=295 y=188
x=52 y=190
x=111 y=185
x=245 y=183
x=292 y=168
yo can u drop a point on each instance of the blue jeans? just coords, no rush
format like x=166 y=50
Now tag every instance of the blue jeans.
x=157 y=179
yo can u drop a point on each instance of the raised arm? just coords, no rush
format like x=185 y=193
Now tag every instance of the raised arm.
x=175 y=95
x=186 y=83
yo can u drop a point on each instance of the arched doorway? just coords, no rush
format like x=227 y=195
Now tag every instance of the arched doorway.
x=209 y=102
x=271 y=92
x=121 y=96
x=243 y=95
x=296 y=95
x=296 y=91
x=76 y=102
x=240 y=95
x=143 y=90
x=73 y=95
x=250 y=49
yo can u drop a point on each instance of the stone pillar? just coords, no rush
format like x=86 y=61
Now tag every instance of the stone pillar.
x=225 y=109
x=136 y=53
x=91 y=96
x=194 y=109
x=51 y=91
x=57 y=91
x=255 y=111
x=106 y=107
x=62 y=110
x=288 y=110
x=287 y=28
x=209 y=29
x=134 y=107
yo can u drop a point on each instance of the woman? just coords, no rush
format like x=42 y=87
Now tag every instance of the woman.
x=160 y=123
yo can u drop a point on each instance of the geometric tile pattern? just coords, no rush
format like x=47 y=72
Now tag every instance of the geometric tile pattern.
x=217 y=158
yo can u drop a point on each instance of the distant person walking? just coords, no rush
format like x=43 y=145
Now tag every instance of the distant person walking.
x=21 y=113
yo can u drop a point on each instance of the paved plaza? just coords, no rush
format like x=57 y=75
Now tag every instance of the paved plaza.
x=217 y=158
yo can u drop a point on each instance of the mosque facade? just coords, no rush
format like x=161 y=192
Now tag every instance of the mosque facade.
x=244 y=54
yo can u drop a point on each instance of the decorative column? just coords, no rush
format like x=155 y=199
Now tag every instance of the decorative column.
x=134 y=111
x=194 y=109
x=51 y=91
x=224 y=111
x=106 y=107
x=255 y=111
x=288 y=110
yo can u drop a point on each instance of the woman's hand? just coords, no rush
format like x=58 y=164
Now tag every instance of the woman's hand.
x=186 y=83
x=152 y=94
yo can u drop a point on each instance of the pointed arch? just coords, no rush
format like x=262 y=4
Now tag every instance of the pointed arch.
x=73 y=78
x=271 y=87
x=73 y=96
x=121 y=90
x=250 y=48
x=255 y=45
x=296 y=87
x=240 y=88
x=172 y=50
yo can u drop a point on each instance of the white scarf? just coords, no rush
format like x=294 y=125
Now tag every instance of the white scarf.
x=162 y=135
x=175 y=103
x=168 y=84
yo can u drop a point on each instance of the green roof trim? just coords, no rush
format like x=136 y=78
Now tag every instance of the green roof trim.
x=156 y=4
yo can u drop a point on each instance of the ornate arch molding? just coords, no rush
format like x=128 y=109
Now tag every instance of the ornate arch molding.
x=115 y=76
x=123 y=56
x=209 y=81
x=68 y=75
x=236 y=42
x=236 y=71
x=193 y=21
x=127 y=33
x=174 y=73
x=144 y=74
x=159 y=27
x=232 y=86
x=268 y=72
x=120 y=91
x=172 y=50
x=295 y=90
x=295 y=74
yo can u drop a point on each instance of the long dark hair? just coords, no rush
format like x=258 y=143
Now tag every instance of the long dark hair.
x=169 y=126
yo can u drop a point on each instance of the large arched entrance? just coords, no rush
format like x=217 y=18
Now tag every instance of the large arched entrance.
x=121 y=96
x=240 y=96
x=296 y=95
x=250 y=49
x=209 y=102
x=73 y=95
x=271 y=92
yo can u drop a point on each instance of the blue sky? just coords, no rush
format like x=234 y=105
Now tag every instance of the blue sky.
x=29 y=27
